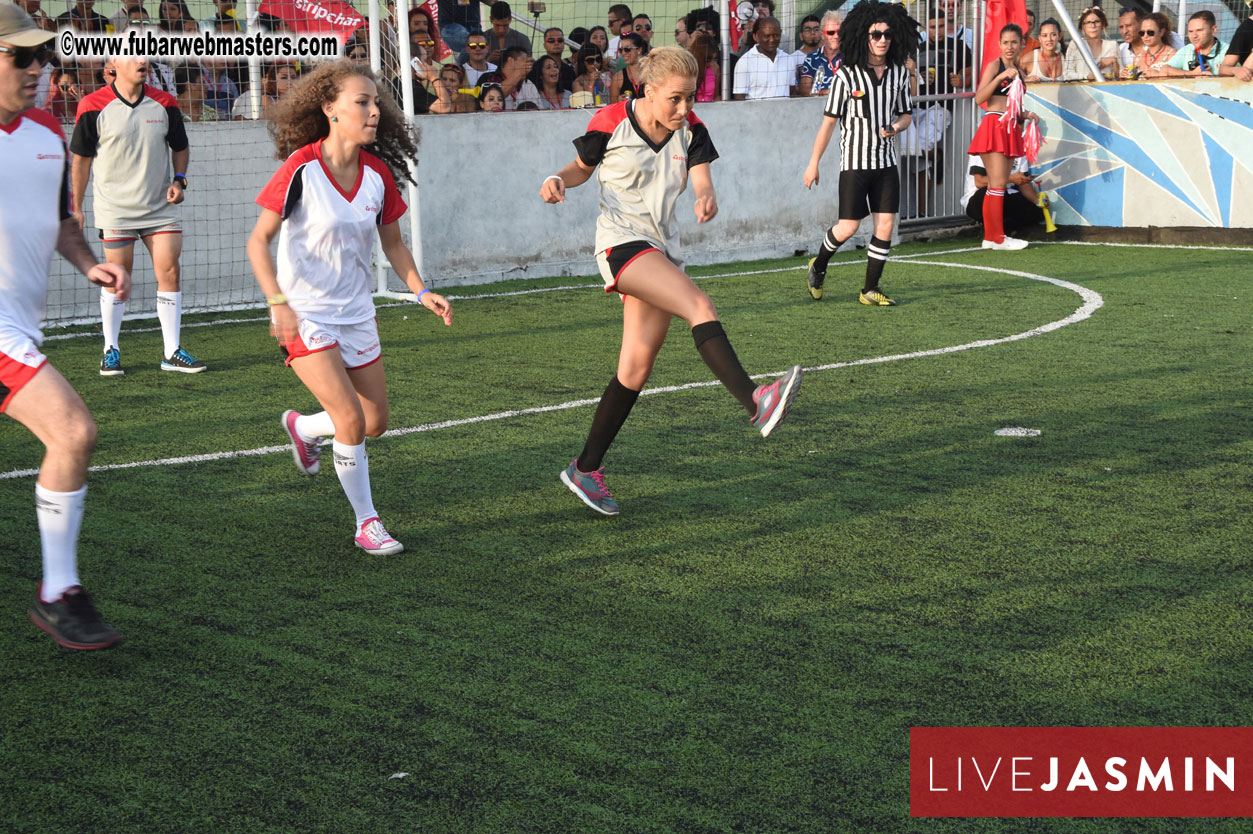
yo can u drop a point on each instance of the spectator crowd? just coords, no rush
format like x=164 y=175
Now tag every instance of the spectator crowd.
x=467 y=67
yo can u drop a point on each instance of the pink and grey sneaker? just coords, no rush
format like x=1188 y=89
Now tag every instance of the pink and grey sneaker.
x=774 y=400
x=590 y=487
x=374 y=539
x=305 y=454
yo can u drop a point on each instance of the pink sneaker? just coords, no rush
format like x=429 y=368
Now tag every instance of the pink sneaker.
x=774 y=400
x=305 y=454
x=374 y=539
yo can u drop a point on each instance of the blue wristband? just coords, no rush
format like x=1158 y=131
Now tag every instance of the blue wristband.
x=424 y=292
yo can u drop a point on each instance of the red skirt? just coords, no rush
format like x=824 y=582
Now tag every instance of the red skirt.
x=994 y=136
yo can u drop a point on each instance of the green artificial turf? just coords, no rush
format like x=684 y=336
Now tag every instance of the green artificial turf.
x=744 y=649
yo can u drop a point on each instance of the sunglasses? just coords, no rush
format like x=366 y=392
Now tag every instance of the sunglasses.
x=831 y=33
x=647 y=27
x=24 y=55
x=476 y=46
x=554 y=40
x=678 y=32
x=592 y=60
x=628 y=49
x=876 y=35
x=1144 y=32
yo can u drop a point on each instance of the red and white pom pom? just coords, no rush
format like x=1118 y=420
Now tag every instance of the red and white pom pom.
x=1032 y=140
x=1013 y=103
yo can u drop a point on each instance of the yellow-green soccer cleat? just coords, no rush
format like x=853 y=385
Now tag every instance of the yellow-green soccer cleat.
x=815 y=281
x=876 y=298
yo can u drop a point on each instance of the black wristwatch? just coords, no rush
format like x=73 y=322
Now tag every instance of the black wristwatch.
x=181 y=179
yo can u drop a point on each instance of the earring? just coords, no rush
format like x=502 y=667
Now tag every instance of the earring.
x=334 y=118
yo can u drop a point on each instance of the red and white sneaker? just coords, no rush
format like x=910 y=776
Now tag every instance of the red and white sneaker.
x=374 y=539
x=306 y=455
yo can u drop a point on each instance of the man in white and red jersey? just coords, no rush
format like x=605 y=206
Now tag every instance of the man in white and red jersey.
x=35 y=219
x=128 y=132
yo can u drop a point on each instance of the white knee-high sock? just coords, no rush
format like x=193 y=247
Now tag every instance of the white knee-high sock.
x=170 y=314
x=111 y=311
x=354 y=476
x=60 y=515
x=312 y=427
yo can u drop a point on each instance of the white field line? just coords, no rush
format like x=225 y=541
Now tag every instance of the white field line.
x=216 y=322
x=1092 y=301
x=80 y=334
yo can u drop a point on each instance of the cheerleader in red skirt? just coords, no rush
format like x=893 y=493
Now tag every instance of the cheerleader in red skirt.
x=999 y=141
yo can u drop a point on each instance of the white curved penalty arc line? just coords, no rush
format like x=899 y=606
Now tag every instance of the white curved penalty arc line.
x=1092 y=301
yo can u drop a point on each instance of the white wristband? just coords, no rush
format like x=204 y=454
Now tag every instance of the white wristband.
x=554 y=177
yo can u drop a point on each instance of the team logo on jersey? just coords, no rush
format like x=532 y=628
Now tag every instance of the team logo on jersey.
x=369 y=207
x=679 y=158
x=319 y=339
x=49 y=156
x=370 y=349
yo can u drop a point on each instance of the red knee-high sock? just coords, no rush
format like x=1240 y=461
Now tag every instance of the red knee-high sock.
x=994 y=215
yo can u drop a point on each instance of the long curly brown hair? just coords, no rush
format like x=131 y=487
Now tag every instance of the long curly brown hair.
x=299 y=120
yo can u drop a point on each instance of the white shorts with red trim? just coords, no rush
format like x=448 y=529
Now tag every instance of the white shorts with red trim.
x=117 y=238
x=20 y=360
x=358 y=343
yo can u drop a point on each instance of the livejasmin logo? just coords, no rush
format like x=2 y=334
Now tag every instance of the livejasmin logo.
x=1149 y=778
x=1081 y=771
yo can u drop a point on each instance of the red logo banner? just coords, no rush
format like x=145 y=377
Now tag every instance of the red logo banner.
x=311 y=16
x=1081 y=772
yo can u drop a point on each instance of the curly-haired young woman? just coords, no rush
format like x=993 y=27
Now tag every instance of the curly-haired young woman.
x=344 y=141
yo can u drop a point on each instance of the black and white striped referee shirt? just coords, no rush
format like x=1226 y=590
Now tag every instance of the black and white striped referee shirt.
x=863 y=103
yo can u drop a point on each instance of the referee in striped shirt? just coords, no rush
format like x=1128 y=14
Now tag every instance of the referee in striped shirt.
x=871 y=99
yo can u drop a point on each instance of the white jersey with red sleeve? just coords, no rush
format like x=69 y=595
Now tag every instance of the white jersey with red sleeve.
x=34 y=199
x=327 y=236
x=640 y=182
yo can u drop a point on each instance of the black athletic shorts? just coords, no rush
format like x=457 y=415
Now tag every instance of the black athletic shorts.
x=864 y=191
x=616 y=258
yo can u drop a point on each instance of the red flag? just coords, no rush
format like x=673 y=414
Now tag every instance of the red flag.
x=304 y=16
x=999 y=14
x=736 y=31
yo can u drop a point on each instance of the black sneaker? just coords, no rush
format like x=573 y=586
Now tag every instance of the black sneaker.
x=73 y=621
x=111 y=363
x=183 y=362
x=815 y=281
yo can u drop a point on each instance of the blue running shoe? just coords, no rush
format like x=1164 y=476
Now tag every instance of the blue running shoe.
x=183 y=362
x=590 y=487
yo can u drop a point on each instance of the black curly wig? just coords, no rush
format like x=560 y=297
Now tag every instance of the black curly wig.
x=854 y=40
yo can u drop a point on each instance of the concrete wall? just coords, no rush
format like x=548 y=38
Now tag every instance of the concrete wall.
x=487 y=222
x=1148 y=153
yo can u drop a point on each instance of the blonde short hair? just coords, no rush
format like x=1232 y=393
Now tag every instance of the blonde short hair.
x=668 y=61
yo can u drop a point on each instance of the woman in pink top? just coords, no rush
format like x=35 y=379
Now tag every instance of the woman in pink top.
x=709 y=83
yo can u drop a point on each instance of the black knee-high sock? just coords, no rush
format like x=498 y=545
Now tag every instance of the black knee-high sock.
x=876 y=257
x=615 y=405
x=829 y=244
x=718 y=354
